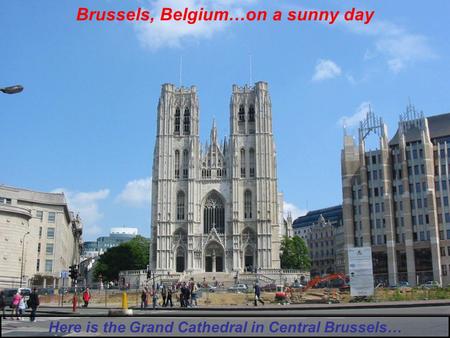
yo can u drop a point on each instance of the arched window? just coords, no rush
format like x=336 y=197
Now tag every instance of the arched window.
x=251 y=113
x=248 y=204
x=187 y=121
x=241 y=113
x=177 y=164
x=214 y=214
x=177 y=121
x=180 y=206
x=242 y=162
x=185 y=163
x=252 y=162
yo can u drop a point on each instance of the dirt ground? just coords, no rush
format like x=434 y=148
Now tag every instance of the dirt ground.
x=243 y=299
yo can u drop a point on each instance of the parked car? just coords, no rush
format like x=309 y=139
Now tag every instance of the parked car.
x=430 y=285
x=404 y=284
x=9 y=294
x=269 y=287
x=238 y=288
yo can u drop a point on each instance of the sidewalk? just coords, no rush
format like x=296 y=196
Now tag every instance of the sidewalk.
x=99 y=310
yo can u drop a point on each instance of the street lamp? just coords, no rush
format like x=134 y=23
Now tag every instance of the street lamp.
x=12 y=89
x=23 y=250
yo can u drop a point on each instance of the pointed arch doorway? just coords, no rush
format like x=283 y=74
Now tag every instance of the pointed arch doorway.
x=214 y=257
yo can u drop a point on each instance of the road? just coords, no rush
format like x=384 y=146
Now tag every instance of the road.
x=14 y=328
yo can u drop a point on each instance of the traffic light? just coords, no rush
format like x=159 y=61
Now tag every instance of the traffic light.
x=75 y=272
x=149 y=274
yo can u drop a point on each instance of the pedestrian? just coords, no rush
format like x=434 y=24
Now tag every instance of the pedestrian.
x=164 y=295
x=194 y=294
x=154 y=297
x=22 y=306
x=15 y=305
x=33 y=303
x=258 y=295
x=187 y=297
x=169 y=297
x=86 y=297
x=182 y=293
x=143 y=299
x=3 y=304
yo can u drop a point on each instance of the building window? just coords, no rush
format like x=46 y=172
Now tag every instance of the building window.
x=252 y=162
x=38 y=263
x=187 y=121
x=185 y=163
x=51 y=217
x=214 y=214
x=242 y=162
x=39 y=215
x=177 y=164
x=422 y=236
x=49 y=249
x=51 y=233
x=251 y=113
x=177 y=121
x=241 y=113
x=444 y=270
x=39 y=247
x=442 y=251
x=4 y=200
x=248 y=204
x=48 y=265
x=180 y=206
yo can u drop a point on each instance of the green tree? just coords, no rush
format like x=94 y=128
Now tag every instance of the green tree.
x=295 y=254
x=131 y=255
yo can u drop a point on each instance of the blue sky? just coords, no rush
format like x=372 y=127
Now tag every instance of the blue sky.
x=85 y=123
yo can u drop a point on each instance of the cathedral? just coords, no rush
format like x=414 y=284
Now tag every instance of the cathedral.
x=215 y=207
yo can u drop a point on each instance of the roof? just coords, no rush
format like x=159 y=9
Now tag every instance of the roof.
x=438 y=125
x=330 y=214
x=36 y=197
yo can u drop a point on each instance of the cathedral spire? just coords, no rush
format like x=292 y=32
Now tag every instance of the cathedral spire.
x=214 y=132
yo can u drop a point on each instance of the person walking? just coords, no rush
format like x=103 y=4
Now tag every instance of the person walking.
x=86 y=297
x=3 y=304
x=164 y=295
x=169 y=297
x=182 y=294
x=33 y=304
x=143 y=299
x=154 y=297
x=194 y=294
x=22 y=306
x=187 y=297
x=15 y=305
x=258 y=295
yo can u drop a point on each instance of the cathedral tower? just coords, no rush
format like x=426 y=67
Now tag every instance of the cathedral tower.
x=214 y=207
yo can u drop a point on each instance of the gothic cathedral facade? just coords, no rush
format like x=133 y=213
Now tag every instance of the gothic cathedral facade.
x=216 y=207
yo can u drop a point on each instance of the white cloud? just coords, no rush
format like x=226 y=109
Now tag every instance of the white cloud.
x=86 y=204
x=325 y=70
x=172 y=33
x=353 y=121
x=293 y=209
x=398 y=46
x=137 y=193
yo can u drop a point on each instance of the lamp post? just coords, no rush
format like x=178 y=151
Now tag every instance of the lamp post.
x=12 y=89
x=21 y=262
